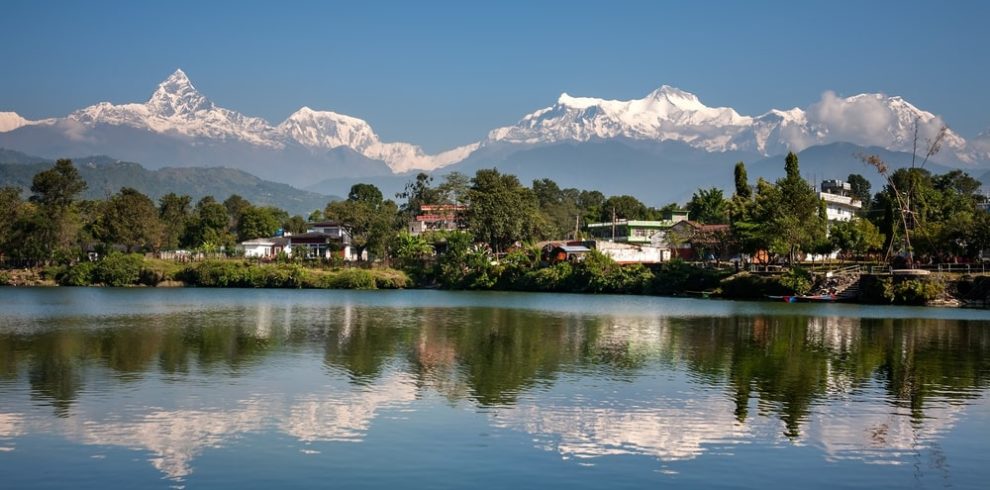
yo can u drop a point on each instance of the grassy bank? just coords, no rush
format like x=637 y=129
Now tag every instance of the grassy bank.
x=516 y=272
x=135 y=270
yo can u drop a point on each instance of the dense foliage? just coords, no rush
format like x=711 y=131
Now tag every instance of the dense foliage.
x=496 y=248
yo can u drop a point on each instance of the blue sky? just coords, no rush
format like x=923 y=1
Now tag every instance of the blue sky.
x=441 y=74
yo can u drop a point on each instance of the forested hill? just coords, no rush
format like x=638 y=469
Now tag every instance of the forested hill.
x=105 y=176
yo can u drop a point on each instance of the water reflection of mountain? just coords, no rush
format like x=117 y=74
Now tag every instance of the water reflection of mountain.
x=697 y=381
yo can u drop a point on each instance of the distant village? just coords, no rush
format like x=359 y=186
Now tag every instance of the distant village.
x=625 y=241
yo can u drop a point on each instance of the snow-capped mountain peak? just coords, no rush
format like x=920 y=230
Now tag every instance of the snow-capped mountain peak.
x=177 y=108
x=326 y=130
x=677 y=98
x=10 y=121
x=666 y=113
x=672 y=114
x=177 y=95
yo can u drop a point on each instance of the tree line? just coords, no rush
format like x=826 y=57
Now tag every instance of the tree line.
x=781 y=219
x=54 y=226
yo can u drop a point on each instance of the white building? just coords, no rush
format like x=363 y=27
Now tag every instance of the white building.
x=840 y=205
x=626 y=253
x=324 y=240
x=263 y=248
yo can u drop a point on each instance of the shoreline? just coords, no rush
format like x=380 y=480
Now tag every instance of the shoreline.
x=33 y=278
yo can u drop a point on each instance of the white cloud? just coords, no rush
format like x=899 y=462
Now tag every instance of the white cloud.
x=871 y=119
x=74 y=130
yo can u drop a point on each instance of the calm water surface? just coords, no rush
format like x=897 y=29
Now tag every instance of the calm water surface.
x=196 y=388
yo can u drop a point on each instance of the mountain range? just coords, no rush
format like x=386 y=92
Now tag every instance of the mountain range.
x=105 y=176
x=666 y=143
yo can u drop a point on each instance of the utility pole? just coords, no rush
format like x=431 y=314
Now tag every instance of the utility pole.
x=613 y=223
x=577 y=225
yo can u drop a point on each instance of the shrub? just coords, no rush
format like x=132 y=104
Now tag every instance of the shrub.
x=283 y=276
x=352 y=279
x=913 y=291
x=514 y=267
x=597 y=273
x=5 y=278
x=636 y=279
x=557 y=277
x=797 y=280
x=118 y=270
x=750 y=286
x=216 y=273
x=53 y=272
x=80 y=274
x=391 y=279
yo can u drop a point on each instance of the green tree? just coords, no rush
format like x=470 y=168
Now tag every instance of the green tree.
x=236 y=205
x=370 y=220
x=783 y=218
x=297 y=224
x=54 y=191
x=257 y=222
x=316 y=216
x=709 y=206
x=742 y=181
x=365 y=193
x=454 y=188
x=795 y=223
x=10 y=210
x=58 y=187
x=175 y=214
x=860 y=188
x=591 y=205
x=625 y=207
x=209 y=227
x=558 y=209
x=418 y=192
x=129 y=218
x=501 y=211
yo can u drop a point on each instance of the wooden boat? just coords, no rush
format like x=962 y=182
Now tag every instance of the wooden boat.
x=815 y=298
x=785 y=299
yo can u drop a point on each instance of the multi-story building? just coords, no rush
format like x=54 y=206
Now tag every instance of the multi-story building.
x=438 y=217
x=635 y=231
x=840 y=205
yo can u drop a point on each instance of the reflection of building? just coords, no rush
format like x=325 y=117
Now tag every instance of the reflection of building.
x=438 y=217
x=840 y=205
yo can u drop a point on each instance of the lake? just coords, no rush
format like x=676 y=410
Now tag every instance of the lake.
x=202 y=388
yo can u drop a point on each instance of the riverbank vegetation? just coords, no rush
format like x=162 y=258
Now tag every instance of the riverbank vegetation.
x=136 y=270
x=113 y=241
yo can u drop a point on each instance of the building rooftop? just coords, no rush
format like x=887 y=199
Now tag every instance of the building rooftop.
x=634 y=223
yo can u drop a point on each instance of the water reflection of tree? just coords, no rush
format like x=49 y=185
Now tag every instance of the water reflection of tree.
x=54 y=372
x=492 y=356
x=771 y=356
x=56 y=359
x=790 y=363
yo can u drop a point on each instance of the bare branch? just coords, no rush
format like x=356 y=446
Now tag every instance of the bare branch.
x=935 y=145
x=875 y=162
